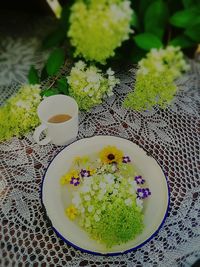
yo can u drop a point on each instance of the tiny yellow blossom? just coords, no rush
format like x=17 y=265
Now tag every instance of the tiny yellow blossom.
x=73 y=173
x=77 y=160
x=71 y=212
x=92 y=171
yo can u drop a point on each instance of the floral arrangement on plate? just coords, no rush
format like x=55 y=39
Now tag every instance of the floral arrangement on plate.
x=107 y=196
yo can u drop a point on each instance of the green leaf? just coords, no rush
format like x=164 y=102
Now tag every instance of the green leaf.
x=143 y=6
x=44 y=75
x=134 y=20
x=62 y=85
x=55 y=38
x=184 y=18
x=156 y=17
x=49 y=92
x=137 y=54
x=182 y=41
x=193 y=32
x=189 y=3
x=33 y=77
x=55 y=61
x=147 y=41
x=64 y=20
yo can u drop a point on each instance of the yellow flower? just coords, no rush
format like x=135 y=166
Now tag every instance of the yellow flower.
x=111 y=154
x=73 y=173
x=77 y=160
x=65 y=179
x=92 y=171
x=71 y=212
x=85 y=159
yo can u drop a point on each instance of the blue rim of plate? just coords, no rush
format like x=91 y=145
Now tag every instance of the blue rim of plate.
x=98 y=253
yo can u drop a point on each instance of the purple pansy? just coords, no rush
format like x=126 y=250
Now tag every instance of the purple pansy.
x=75 y=181
x=139 y=179
x=143 y=193
x=84 y=173
x=126 y=159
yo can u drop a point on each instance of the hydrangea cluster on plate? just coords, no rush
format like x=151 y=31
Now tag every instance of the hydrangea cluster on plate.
x=108 y=195
x=97 y=28
x=89 y=86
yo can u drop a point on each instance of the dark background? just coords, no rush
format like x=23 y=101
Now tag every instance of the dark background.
x=30 y=6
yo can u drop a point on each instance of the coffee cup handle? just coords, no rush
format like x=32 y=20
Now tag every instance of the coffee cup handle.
x=37 y=133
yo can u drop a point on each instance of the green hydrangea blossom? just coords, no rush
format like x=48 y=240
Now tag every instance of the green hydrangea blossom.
x=151 y=90
x=89 y=86
x=19 y=114
x=97 y=27
x=169 y=60
x=155 y=79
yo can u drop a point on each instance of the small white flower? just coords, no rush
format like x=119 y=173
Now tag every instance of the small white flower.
x=116 y=185
x=115 y=192
x=85 y=188
x=80 y=65
x=90 y=208
x=139 y=203
x=109 y=178
x=110 y=72
x=102 y=185
x=87 y=198
x=82 y=210
x=96 y=217
x=98 y=212
x=128 y=201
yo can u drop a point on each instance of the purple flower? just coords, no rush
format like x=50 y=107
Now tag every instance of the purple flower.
x=143 y=193
x=75 y=181
x=126 y=159
x=84 y=173
x=139 y=179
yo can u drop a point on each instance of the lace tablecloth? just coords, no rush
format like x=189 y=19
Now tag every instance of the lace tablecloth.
x=172 y=137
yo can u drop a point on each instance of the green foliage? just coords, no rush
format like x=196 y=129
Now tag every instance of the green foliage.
x=190 y=3
x=182 y=41
x=55 y=61
x=33 y=76
x=55 y=38
x=155 y=19
x=184 y=18
x=147 y=41
x=193 y=32
x=62 y=85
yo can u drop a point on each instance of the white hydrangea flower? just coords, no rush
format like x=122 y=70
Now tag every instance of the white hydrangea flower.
x=110 y=72
x=102 y=185
x=139 y=203
x=87 y=198
x=96 y=217
x=128 y=201
x=90 y=208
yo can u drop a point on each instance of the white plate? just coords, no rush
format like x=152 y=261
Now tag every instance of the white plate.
x=55 y=198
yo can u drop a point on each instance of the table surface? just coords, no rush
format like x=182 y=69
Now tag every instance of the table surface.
x=172 y=137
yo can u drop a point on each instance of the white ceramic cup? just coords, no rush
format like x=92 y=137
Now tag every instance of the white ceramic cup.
x=57 y=133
